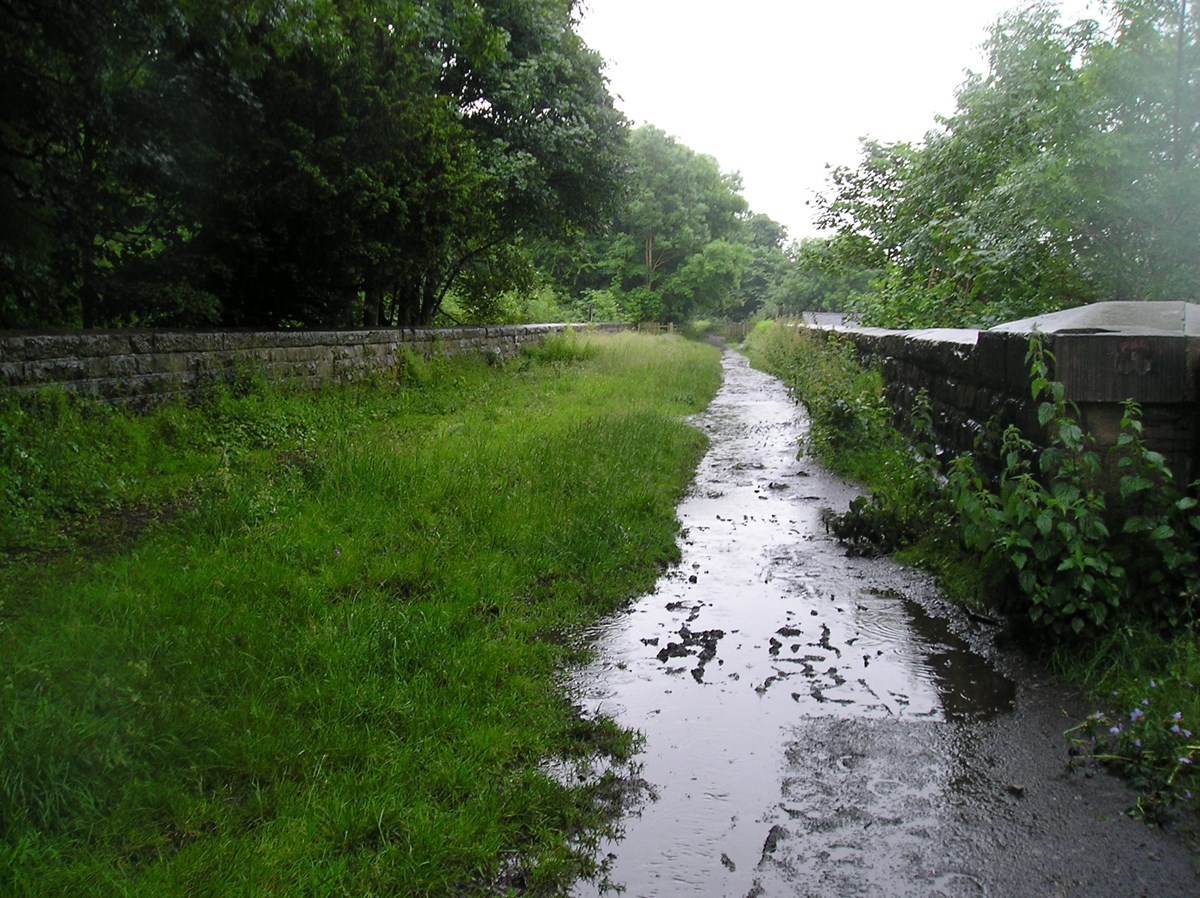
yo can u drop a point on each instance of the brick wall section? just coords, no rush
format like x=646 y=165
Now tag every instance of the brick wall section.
x=973 y=377
x=138 y=367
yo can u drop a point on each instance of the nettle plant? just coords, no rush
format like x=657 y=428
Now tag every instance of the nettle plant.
x=1044 y=522
x=1161 y=532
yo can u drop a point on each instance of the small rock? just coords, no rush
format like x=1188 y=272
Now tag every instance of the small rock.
x=777 y=832
x=727 y=862
x=1016 y=790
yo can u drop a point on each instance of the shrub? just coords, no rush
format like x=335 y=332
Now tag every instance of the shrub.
x=1046 y=528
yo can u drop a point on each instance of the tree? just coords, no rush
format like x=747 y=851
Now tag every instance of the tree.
x=826 y=274
x=1137 y=239
x=765 y=268
x=658 y=252
x=290 y=163
x=707 y=282
x=1067 y=174
x=94 y=131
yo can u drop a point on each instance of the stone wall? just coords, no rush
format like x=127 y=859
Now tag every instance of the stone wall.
x=141 y=366
x=1104 y=354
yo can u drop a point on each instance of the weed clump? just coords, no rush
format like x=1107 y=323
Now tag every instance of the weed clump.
x=563 y=348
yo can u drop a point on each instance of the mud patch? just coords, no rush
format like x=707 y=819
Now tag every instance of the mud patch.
x=812 y=720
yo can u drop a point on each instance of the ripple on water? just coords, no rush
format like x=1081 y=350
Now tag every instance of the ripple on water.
x=968 y=686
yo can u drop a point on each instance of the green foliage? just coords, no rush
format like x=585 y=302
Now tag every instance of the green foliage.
x=564 y=348
x=1151 y=710
x=1069 y=173
x=827 y=274
x=1045 y=527
x=333 y=666
x=1160 y=538
x=682 y=245
x=283 y=163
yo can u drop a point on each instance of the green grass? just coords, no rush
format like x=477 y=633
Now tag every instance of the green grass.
x=319 y=649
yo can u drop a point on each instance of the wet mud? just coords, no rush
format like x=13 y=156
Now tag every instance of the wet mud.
x=823 y=725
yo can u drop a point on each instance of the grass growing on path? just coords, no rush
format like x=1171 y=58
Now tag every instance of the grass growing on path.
x=318 y=653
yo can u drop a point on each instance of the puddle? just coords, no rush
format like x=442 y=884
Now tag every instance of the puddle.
x=783 y=688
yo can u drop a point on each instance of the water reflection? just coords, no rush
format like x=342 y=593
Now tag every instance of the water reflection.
x=761 y=668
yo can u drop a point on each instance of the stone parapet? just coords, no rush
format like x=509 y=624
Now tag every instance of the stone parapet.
x=140 y=367
x=1104 y=354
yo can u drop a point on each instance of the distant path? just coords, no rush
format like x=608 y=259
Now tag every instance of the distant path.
x=818 y=725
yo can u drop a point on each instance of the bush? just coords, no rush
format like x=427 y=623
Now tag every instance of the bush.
x=1046 y=529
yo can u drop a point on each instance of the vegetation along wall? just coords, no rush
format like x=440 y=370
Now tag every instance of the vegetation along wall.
x=137 y=366
x=1104 y=354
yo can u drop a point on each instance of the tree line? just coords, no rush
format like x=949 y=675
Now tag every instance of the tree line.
x=278 y=162
x=345 y=163
x=1069 y=173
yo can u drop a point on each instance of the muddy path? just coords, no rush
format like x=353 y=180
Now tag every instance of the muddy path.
x=821 y=725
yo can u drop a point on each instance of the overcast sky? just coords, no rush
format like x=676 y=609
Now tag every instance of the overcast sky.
x=776 y=89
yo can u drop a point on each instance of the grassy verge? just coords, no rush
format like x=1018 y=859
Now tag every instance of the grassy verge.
x=1113 y=608
x=299 y=643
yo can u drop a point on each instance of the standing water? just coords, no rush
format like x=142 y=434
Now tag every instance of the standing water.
x=809 y=718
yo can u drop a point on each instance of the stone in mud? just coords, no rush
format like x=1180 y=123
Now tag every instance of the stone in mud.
x=776 y=834
x=673 y=650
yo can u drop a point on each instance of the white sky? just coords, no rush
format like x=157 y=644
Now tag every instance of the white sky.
x=776 y=89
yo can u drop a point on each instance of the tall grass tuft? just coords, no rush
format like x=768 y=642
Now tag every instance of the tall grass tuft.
x=309 y=643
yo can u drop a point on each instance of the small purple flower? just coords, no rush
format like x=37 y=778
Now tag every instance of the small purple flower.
x=1178 y=715
x=1175 y=728
x=1187 y=734
x=1137 y=743
x=1153 y=685
x=1185 y=760
x=1099 y=715
x=1114 y=730
x=1145 y=703
x=1136 y=714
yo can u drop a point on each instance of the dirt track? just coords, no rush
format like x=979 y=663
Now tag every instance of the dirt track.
x=818 y=725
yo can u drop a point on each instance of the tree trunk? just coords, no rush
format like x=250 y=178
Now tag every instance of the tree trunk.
x=408 y=300
x=431 y=302
x=649 y=261
x=372 y=304
x=85 y=231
